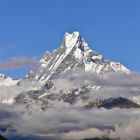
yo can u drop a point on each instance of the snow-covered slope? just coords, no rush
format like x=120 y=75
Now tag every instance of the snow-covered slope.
x=73 y=54
x=7 y=81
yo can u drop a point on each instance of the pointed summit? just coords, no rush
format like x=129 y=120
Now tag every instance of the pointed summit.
x=70 y=40
x=72 y=35
x=75 y=41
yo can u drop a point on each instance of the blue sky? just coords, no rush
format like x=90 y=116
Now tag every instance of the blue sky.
x=30 y=27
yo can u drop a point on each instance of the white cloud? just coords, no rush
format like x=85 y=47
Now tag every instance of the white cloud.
x=70 y=122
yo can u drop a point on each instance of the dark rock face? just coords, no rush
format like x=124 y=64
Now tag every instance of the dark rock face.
x=112 y=103
x=44 y=99
x=49 y=85
x=28 y=97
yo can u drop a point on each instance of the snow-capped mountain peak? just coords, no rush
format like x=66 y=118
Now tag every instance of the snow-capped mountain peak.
x=73 y=54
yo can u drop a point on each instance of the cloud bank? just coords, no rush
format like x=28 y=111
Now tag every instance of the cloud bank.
x=71 y=123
